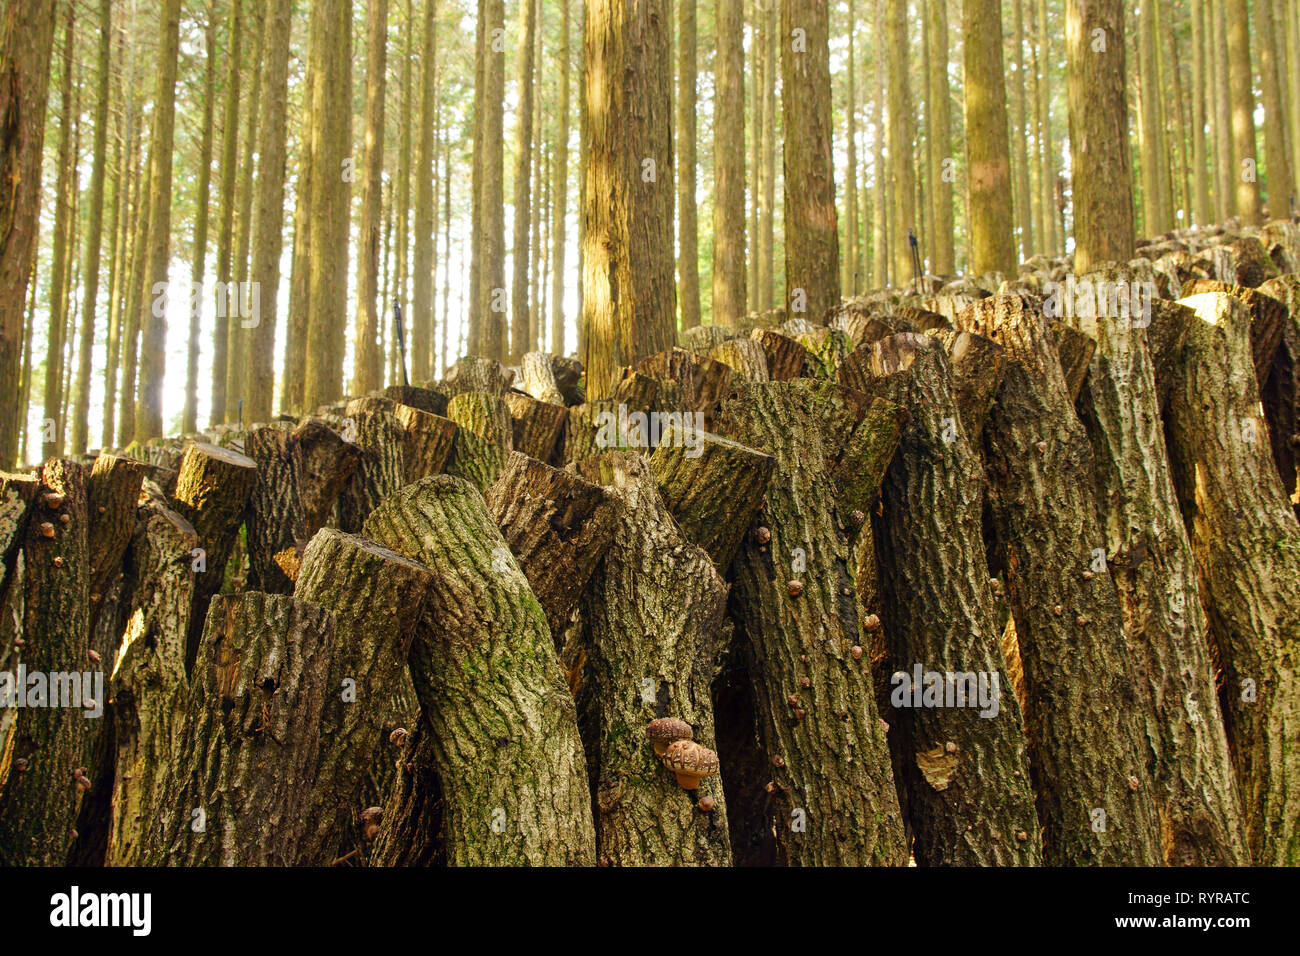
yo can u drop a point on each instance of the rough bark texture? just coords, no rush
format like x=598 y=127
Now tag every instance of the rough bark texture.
x=1150 y=559
x=382 y=469
x=650 y=619
x=212 y=487
x=536 y=427
x=1268 y=319
x=113 y=490
x=558 y=526
x=812 y=251
x=149 y=672
x=963 y=778
x=713 y=490
x=238 y=783
x=1281 y=391
x=411 y=830
x=785 y=356
x=976 y=365
x=376 y=597
x=629 y=296
x=832 y=799
x=503 y=724
x=1247 y=546
x=38 y=804
x=299 y=476
x=1082 y=709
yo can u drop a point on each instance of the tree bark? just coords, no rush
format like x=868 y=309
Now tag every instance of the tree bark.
x=113 y=490
x=988 y=160
x=39 y=801
x=1200 y=811
x=650 y=621
x=812 y=254
x=1085 y=734
x=376 y=596
x=238 y=782
x=963 y=778
x=503 y=724
x=832 y=797
x=729 y=293
x=1247 y=546
x=1103 y=174
x=1242 y=102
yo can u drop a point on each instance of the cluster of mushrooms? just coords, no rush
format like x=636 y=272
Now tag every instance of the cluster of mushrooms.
x=674 y=743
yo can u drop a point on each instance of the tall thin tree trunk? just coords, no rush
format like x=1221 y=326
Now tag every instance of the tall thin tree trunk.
x=367 y=366
x=227 y=200
x=1097 y=90
x=1024 y=208
x=153 y=327
x=1275 y=149
x=237 y=333
x=764 y=294
x=1201 y=174
x=52 y=446
x=880 y=226
x=268 y=234
x=94 y=235
x=901 y=159
x=519 y=295
x=987 y=153
x=560 y=191
x=939 y=141
x=1242 y=100
x=729 y=166
x=1052 y=236
x=688 y=229
x=422 y=264
x=1228 y=169
x=492 y=281
x=190 y=416
x=331 y=130
x=849 y=260
x=812 y=254
x=629 y=299
x=119 y=229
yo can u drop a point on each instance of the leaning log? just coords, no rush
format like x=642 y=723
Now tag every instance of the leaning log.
x=1096 y=798
x=832 y=797
x=239 y=782
x=557 y=525
x=503 y=723
x=41 y=795
x=1247 y=546
x=1163 y=621
x=963 y=771
x=650 y=621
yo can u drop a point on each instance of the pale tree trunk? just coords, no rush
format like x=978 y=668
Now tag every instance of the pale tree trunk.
x=268 y=236
x=520 y=325
x=1201 y=173
x=94 y=227
x=368 y=368
x=1242 y=103
x=1099 y=146
x=1273 y=100
x=1024 y=208
x=237 y=331
x=226 y=199
x=492 y=281
x=812 y=254
x=688 y=231
x=849 y=261
x=153 y=337
x=880 y=228
x=729 y=165
x=331 y=123
x=940 y=141
x=902 y=161
x=64 y=198
x=765 y=294
x=421 y=341
x=988 y=161
x=560 y=189
x=1155 y=212
x=1053 y=224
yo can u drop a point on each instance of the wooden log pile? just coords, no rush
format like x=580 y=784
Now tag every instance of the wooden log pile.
x=998 y=570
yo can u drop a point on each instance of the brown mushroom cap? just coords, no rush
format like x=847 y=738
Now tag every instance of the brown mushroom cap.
x=690 y=762
x=665 y=730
